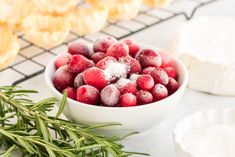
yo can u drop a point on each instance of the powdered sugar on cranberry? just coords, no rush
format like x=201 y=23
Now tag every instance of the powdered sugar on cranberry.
x=115 y=70
x=134 y=77
x=122 y=82
x=110 y=95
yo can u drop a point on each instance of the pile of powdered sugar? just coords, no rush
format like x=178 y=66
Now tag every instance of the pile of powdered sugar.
x=115 y=70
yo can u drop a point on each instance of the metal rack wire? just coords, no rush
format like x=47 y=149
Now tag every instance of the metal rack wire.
x=32 y=60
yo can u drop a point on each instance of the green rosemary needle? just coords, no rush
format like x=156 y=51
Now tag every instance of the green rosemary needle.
x=25 y=127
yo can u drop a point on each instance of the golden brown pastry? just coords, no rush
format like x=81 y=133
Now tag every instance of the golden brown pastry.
x=56 y=7
x=120 y=9
x=9 y=46
x=156 y=3
x=46 y=31
x=88 y=20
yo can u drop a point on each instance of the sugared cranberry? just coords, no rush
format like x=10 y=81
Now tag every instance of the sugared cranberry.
x=134 y=77
x=79 y=63
x=110 y=95
x=79 y=48
x=96 y=57
x=63 y=78
x=71 y=92
x=148 y=70
x=102 y=44
x=171 y=72
x=88 y=94
x=134 y=65
x=149 y=57
x=160 y=76
x=62 y=59
x=144 y=97
x=95 y=77
x=133 y=47
x=159 y=92
x=128 y=100
x=118 y=50
x=103 y=62
x=78 y=81
x=145 y=82
x=172 y=86
x=126 y=86
x=167 y=59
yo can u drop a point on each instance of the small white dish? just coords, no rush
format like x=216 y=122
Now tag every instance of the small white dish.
x=213 y=118
x=138 y=118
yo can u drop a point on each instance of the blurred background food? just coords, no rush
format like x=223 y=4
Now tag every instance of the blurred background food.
x=9 y=46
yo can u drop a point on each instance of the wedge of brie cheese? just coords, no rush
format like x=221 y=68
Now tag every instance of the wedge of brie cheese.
x=207 y=46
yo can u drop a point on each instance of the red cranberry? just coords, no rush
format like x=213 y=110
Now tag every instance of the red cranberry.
x=126 y=86
x=148 y=70
x=128 y=100
x=95 y=77
x=145 y=82
x=62 y=59
x=144 y=97
x=88 y=94
x=118 y=50
x=63 y=78
x=159 y=92
x=167 y=59
x=103 y=62
x=79 y=48
x=102 y=44
x=133 y=47
x=133 y=64
x=71 y=92
x=96 y=57
x=79 y=63
x=150 y=58
x=110 y=95
x=78 y=81
x=172 y=86
x=171 y=72
x=160 y=76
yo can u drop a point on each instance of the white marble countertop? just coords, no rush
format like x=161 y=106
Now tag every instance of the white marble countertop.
x=158 y=141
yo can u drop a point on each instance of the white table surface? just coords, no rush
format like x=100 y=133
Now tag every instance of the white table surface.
x=158 y=141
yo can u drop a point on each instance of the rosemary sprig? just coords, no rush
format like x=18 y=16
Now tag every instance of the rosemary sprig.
x=26 y=127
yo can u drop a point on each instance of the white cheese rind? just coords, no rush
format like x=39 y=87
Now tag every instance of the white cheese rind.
x=207 y=47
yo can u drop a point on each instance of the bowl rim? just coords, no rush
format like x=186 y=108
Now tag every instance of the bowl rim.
x=183 y=85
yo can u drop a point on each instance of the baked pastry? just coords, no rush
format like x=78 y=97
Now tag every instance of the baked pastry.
x=120 y=9
x=156 y=3
x=9 y=46
x=206 y=46
x=56 y=7
x=20 y=10
x=6 y=8
x=88 y=20
x=46 y=31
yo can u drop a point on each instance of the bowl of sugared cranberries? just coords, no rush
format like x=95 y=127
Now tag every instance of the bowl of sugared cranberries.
x=117 y=81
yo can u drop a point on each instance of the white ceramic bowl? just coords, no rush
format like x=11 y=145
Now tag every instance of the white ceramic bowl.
x=137 y=118
x=199 y=119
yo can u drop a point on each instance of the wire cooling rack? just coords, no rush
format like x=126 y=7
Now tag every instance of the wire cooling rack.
x=32 y=60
